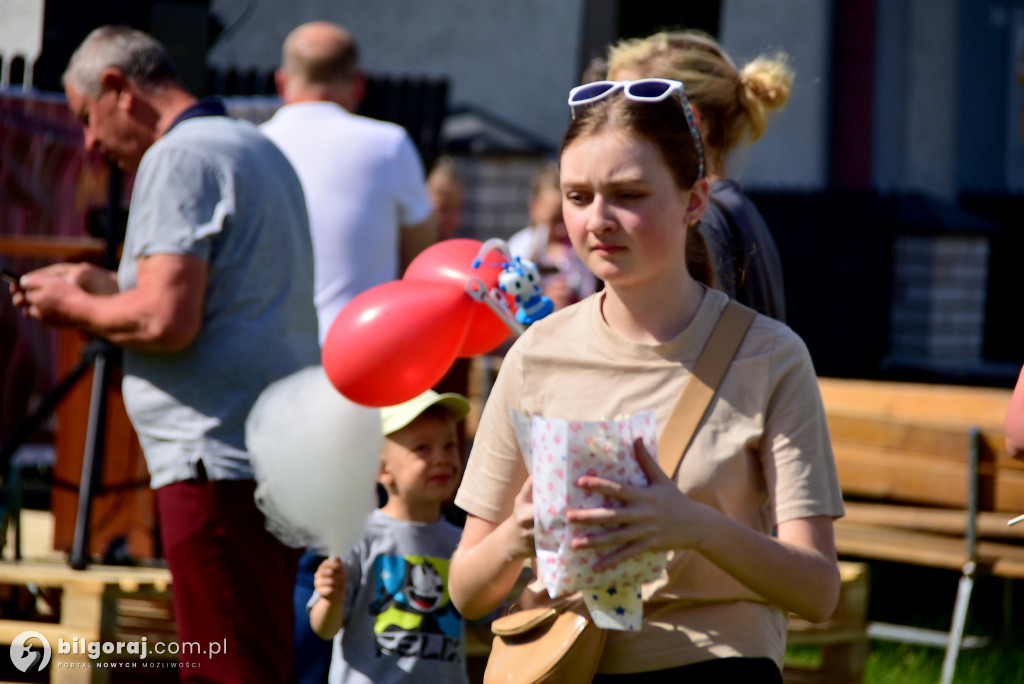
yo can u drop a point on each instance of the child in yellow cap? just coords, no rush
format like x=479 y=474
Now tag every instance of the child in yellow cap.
x=385 y=602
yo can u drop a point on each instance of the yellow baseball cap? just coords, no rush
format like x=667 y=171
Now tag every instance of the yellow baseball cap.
x=394 y=418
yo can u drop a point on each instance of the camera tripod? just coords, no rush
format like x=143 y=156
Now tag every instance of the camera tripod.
x=100 y=356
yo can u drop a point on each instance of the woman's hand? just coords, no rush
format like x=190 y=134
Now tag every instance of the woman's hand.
x=658 y=517
x=796 y=571
x=520 y=527
x=486 y=566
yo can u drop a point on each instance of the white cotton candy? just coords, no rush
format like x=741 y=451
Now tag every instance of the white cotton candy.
x=316 y=456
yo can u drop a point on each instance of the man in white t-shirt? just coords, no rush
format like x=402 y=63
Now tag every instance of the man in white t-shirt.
x=365 y=189
x=369 y=211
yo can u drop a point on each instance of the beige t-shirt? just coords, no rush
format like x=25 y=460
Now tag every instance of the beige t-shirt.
x=761 y=455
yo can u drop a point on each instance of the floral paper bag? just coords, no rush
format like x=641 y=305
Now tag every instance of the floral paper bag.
x=558 y=453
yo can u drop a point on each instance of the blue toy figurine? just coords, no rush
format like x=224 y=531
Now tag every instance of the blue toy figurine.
x=521 y=279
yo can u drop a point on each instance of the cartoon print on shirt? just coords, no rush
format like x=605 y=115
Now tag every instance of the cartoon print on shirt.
x=414 y=614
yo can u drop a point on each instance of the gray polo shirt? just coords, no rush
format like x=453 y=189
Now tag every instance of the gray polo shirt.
x=217 y=189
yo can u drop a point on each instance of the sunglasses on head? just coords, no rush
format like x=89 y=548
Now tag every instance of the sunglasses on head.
x=641 y=90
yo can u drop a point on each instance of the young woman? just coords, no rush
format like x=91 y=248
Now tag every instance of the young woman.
x=733 y=105
x=748 y=517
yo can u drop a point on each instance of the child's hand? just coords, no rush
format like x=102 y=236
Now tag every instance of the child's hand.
x=329 y=579
x=327 y=615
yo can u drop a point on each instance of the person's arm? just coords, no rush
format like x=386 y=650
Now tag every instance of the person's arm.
x=1014 y=425
x=485 y=567
x=416 y=238
x=164 y=312
x=327 y=616
x=796 y=571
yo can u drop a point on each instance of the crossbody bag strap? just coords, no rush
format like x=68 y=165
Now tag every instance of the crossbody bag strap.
x=696 y=396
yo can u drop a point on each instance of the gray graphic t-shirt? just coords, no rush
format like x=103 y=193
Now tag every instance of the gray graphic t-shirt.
x=400 y=624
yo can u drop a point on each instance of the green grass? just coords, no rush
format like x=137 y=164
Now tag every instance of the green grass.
x=893 y=663
x=803 y=656
x=924 y=598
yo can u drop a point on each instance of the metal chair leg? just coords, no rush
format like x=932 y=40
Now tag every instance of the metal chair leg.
x=956 y=632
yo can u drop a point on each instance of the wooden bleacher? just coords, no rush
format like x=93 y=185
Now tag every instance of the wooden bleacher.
x=100 y=604
x=927 y=481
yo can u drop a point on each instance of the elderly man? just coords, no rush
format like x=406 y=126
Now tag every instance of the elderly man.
x=368 y=204
x=212 y=302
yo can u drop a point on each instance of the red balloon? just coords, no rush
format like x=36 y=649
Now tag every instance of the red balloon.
x=395 y=341
x=486 y=331
x=451 y=261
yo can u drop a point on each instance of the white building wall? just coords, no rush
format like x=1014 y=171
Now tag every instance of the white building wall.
x=793 y=153
x=515 y=59
x=916 y=97
x=930 y=139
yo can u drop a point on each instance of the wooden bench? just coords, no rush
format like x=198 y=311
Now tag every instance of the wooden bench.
x=927 y=481
x=100 y=604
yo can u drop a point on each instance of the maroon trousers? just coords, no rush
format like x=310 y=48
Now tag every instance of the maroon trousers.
x=233 y=583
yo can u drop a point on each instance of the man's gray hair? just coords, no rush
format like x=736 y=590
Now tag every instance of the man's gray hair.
x=142 y=59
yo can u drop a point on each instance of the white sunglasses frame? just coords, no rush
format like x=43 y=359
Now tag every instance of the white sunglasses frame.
x=625 y=86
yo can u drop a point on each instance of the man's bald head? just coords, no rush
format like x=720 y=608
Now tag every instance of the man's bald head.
x=318 y=60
